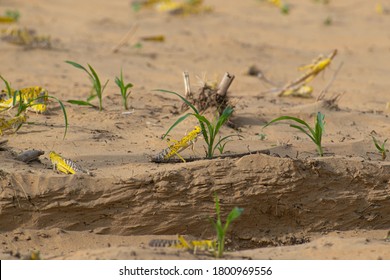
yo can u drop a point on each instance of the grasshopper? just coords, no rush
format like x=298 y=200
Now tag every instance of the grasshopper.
x=178 y=146
x=36 y=97
x=182 y=243
x=65 y=165
x=12 y=123
x=25 y=37
x=312 y=70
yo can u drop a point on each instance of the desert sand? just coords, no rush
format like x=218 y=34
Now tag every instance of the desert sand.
x=297 y=205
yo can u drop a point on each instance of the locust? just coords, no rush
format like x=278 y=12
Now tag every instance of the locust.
x=311 y=71
x=25 y=37
x=178 y=146
x=12 y=123
x=182 y=243
x=36 y=97
x=64 y=165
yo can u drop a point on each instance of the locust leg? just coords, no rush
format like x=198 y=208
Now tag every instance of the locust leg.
x=179 y=156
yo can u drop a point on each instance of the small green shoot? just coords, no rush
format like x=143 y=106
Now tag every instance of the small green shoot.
x=210 y=130
x=380 y=147
x=314 y=134
x=96 y=86
x=222 y=142
x=124 y=88
x=222 y=229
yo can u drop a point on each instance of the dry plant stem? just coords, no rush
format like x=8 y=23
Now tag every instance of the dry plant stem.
x=325 y=89
x=126 y=38
x=225 y=84
x=187 y=86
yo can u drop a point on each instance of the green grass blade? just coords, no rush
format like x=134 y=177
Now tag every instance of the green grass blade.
x=224 y=139
x=104 y=86
x=16 y=93
x=376 y=143
x=119 y=83
x=81 y=103
x=319 y=127
x=79 y=66
x=182 y=118
x=383 y=145
x=91 y=97
x=304 y=131
x=207 y=133
x=234 y=214
x=76 y=65
x=96 y=80
x=7 y=85
x=292 y=119
x=182 y=98
x=129 y=85
x=226 y=114
x=63 y=112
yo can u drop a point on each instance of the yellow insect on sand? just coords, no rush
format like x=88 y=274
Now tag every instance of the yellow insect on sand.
x=36 y=96
x=178 y=146
x=12 y=123
x=183 y=243
x=65 y=165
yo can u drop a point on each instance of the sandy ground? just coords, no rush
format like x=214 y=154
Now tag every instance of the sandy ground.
x=296 y=205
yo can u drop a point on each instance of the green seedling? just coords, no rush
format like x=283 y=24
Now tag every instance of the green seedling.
x=314 y=134
x=380 y=147
x=210 y=129
x=222 y=144
x=96 y=86
x=124 y=88
x=222 y=229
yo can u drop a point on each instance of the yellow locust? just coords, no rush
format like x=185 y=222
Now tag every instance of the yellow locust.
x=36 y=96
x=65 y=165
x=11 y=123
x=299 y=87
x=182 y=243
x=25 y=37
x=178 y=146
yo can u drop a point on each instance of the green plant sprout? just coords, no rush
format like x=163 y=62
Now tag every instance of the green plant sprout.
x=124 y=88
x=314 y=134
x=380 y=147
x=221 y=145
x=222 y=229
x=96 y=86
x=210 y=129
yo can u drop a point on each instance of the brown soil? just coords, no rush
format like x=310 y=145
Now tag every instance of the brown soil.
x=296 y=205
